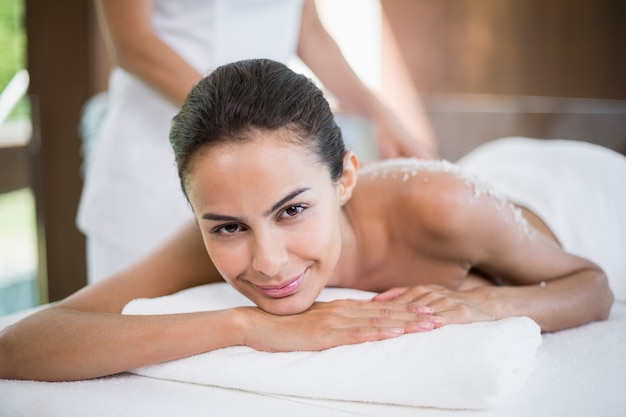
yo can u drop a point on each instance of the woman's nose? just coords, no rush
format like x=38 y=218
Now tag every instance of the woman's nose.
x=269 y=255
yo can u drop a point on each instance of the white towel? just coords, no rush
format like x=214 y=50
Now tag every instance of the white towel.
x=577 y=188
x=472 y=366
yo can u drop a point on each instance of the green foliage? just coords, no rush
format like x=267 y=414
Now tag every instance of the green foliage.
x=12 y=40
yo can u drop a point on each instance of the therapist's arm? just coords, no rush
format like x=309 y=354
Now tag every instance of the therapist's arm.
x=412 y=136
x=137 y=49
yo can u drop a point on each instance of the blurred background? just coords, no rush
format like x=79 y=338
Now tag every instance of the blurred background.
x=485 y=68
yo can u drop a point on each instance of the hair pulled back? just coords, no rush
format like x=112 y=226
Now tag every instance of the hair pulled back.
x=259 y=94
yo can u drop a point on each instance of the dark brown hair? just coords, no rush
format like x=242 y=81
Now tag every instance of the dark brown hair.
x=257 y=94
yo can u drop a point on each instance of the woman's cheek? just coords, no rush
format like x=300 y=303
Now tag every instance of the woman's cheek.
x=229 y=260
x=322 y=238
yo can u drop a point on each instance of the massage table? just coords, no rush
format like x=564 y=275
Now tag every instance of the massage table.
x=578 y=372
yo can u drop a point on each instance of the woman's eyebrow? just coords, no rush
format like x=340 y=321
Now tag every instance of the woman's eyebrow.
x=220 y=218
x=283 y=200
x=276 y=206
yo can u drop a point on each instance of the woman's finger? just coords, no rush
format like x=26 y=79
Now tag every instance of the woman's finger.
x=390 y=294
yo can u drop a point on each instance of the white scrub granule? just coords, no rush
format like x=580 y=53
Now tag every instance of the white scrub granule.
x=406 y=168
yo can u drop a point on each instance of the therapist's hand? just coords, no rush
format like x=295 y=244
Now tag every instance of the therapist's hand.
x=395 y=141
x=328 y=324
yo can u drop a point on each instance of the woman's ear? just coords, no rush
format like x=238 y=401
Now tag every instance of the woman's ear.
x=349 y=178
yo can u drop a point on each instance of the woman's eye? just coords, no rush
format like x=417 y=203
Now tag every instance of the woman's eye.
x=292 y=211
x=228 y=229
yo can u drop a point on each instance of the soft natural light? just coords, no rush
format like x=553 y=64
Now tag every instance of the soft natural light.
x=18 y=259
x=356 y=27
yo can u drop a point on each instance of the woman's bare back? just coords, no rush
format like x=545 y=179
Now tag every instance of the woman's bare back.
x=403 y=234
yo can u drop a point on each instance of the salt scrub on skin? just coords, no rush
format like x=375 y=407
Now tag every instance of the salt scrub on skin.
x=410 y=167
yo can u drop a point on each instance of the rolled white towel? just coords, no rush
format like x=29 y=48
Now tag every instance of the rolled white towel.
x=471 y=366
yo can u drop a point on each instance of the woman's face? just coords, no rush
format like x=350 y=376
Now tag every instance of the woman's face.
x=270 y=217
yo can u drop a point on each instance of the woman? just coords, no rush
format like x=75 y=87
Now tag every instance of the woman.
x=280 y=214
x=162 y=48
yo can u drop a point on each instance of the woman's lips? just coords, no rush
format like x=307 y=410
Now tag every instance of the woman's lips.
x=283 y=290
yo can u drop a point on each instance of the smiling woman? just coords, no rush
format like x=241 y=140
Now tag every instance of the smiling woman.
x=259 y=182
x=269 y=218
x=281 y=212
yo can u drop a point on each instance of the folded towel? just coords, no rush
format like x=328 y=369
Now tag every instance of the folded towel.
x=471 y=366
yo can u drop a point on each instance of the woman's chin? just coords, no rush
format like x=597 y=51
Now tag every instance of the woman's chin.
x=285 y=306
x=296 y=302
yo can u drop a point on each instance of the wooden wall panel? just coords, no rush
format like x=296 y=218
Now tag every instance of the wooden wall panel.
x=61 y=64
x=563 y=48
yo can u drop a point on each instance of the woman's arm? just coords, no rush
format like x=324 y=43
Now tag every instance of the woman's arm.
x=555 y=288
x=60 y=343
x=320 y=52
x=85 y=336
x=141 y=52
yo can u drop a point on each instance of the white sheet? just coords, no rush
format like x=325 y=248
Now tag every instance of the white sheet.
x=579 y=373
x=472 y=366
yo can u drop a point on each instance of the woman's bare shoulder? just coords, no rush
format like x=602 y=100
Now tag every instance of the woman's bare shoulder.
x=431 y=195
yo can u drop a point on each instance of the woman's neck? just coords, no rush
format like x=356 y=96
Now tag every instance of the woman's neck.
x=345 y=272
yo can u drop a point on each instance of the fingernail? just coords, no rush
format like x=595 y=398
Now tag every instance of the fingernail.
x=422 y=310
x=438 y=320
x=396 y=331
x=424 y=325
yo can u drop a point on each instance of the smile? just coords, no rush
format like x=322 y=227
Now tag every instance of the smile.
x=283 y=290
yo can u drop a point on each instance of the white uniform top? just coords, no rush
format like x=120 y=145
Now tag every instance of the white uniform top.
x=132 y=197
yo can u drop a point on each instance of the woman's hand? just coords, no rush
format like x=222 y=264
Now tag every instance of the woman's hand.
x=329 y=324
x=452 y=306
